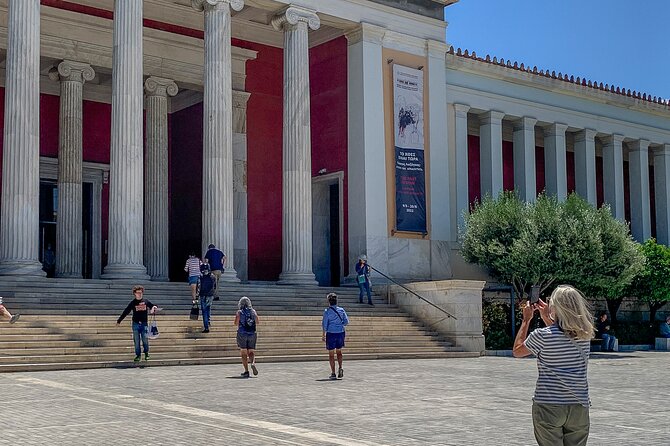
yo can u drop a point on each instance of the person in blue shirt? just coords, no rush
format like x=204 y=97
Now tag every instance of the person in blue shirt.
x=363 y=279
x=333 y=323
x=217 y=260
x=665 y=328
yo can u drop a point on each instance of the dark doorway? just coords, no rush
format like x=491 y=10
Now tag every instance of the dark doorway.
x=334 y=239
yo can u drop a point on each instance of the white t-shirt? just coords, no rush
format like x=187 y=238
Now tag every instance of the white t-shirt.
x=561 y=367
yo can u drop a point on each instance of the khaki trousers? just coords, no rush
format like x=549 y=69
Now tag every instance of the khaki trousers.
x=217 y=276
x=561 y=425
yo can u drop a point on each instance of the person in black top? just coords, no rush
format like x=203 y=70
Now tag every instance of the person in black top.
x=603 y=327
x=206 y=293
x=140 y=308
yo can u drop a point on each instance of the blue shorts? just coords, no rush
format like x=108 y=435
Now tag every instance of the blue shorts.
x=193 y=280
x=334 y=340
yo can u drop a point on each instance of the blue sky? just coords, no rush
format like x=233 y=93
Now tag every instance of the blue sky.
x=620 y=42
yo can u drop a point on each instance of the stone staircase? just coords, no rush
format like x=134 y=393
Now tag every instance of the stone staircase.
x=68 y=324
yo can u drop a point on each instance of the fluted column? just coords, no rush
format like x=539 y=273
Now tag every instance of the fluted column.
x=555 y=161
x=126 y=200
x=524 y=158
x=490 y=153
x=69 y=236
x=462 y=185
x=585 y=165
x=217 y=159
x=156 y=180
x=613 y=175
x=662 y=193
x=19 y=218
x=297 y=156
x=640 y=200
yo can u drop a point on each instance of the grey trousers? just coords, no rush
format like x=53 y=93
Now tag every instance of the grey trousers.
x=561 y=425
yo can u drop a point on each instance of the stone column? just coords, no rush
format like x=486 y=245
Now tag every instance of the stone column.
x=555 y=163
x=156 y=180
x=19 y=217
x=524 y=158
x=217 y=151
x=585 y=165
x=462 y=179
x=297 y=156
x=662 y=193
x=640 y=200
x=126 y=196
x=69 y=237
x=490 y=149
x=613 y=175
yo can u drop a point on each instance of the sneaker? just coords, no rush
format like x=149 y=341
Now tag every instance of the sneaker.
x=14 y=318
x=206 y=330
x=340 y=373
x=245 y=374
x=333 y=376
x=147 y=357
x=137 y=359
x=254 y=369
x=216 y=298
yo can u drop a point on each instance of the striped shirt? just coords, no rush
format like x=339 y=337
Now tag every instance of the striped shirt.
x=561 y=367
x=193 y=266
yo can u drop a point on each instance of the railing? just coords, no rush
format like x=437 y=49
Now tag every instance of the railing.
x=415 y=294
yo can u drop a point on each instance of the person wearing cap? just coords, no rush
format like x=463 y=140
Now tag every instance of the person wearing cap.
x=12 y=318
x=333 y=323
x=363 y=279
x=206 y=295
x=217 y=261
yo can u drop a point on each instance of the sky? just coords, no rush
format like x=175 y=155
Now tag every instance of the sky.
x=620 y=42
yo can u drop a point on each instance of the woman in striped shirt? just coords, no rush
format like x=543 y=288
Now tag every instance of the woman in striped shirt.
x=193 y=269
x=561 y=401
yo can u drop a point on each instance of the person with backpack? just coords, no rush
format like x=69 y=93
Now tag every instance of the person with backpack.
x=363 y=279
x=206 y=293
x=333 y=323
x=246 y=321
x=140 y=308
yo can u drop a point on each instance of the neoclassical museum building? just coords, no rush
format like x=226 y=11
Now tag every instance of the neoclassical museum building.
x=295 y=136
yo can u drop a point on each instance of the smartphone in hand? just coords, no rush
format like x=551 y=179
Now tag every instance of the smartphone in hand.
x=534 y=294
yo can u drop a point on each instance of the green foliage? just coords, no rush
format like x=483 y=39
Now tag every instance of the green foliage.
x=496 y=323
x=652 y=284
x=550 y=242
x=635 y=333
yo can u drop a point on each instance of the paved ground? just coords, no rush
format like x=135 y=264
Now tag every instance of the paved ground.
x=483 y=401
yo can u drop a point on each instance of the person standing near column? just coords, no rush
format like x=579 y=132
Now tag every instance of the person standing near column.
x=217 y=262
x=192 y=267
x=333 y=323
x=363 y=279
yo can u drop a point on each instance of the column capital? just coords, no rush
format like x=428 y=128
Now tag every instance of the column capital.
x=555 y=129
x=585 y=135
x=662 y=150
x=207 y=5
x=525 y=123
x=614 y=139
x=461 y=110
x=366 y=32
x=160 y=86
x=293 y=15
x=641 y=145
x=491 y=117
x=69 y=70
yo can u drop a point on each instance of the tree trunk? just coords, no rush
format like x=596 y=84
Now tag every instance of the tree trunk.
x=613 y=307
x=653 y=309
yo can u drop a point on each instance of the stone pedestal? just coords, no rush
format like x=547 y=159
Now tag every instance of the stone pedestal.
x=460 y=298
x=126 y=196
x=217 y=163
x=156 y=182
x=555 y=161
x=585 y=165
x=524 y=158
x=297 y=156
x=19 y=215
x=490 y=149
x=69 y=236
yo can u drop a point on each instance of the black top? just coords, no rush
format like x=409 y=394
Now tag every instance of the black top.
x=602 y=327
x=140 y=309
x=206 y=285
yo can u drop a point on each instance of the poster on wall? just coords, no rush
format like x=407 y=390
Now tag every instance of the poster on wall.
x=410 y=181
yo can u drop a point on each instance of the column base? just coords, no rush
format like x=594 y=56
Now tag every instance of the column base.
x=25 y=268
x=69 y=275
x=296 y=278
x=230 y=275
x=125 y=271
x=160 y=279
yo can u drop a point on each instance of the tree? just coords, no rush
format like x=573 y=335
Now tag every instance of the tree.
x=652 y=283
x=550 y=242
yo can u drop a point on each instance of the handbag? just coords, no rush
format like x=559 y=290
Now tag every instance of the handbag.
x=153 y=328
x=195 y=312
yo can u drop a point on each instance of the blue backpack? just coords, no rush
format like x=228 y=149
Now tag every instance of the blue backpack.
x=248 y=320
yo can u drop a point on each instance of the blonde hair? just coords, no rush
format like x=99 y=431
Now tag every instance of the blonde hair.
x=244 y=302
x=572 y=312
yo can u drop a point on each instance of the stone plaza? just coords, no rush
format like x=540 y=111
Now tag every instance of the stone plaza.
x=484 y=401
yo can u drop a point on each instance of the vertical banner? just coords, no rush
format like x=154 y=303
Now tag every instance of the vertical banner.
x=410 y=180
